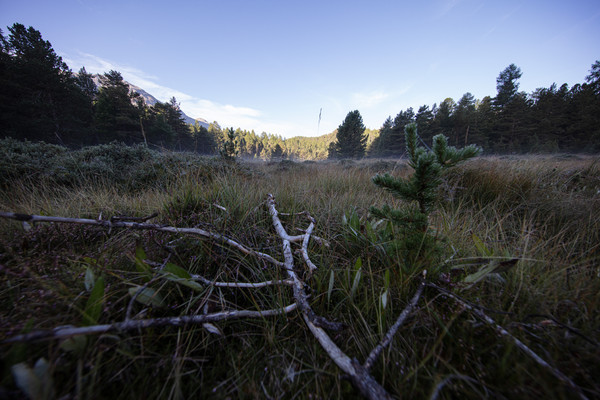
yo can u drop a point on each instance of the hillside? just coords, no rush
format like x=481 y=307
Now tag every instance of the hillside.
x=151 y=100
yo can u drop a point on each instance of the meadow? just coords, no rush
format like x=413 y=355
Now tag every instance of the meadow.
x=540 y=213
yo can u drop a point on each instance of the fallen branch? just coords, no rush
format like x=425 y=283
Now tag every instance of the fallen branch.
x=242 y=284
x=133 y=324
x=26 y=218
x=392 y=331
x=488 y=320
x=359 y=376
x=312 y=267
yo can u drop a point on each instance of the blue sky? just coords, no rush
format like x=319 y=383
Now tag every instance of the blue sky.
x=272 y=65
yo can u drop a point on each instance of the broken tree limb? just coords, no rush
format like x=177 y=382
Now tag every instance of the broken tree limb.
x=387 y=339
x=359 y=376
x=144 y=226
x=134 y=324
x=488 y=320
x=312 y=267
x=242 y=284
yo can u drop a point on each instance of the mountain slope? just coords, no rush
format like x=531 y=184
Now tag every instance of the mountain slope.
x=151 y=100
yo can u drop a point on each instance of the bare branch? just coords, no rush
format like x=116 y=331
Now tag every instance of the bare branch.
x=132 y=324
x=360 y=377
x=134 y=219
x=488 y=320
x=241 y=284
x=312 y=267
x=392 y=331
x=144 y=226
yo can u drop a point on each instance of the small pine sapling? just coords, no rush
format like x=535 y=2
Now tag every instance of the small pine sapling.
x=410 y=239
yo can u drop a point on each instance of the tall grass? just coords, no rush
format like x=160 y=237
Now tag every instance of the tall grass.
x=544 y=212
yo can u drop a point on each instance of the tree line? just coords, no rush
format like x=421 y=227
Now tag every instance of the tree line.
x=548 y=120
x=41 y=99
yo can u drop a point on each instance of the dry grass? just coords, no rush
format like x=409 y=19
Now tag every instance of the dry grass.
x=543 y=211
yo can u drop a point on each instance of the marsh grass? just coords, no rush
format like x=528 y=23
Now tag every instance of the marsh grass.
x=544 y=212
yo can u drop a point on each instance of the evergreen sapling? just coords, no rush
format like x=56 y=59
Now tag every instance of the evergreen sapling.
x=408 y=234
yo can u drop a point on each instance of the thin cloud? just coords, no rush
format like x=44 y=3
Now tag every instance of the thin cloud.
x=225 y=114
x=369 y=99
x=445 y=7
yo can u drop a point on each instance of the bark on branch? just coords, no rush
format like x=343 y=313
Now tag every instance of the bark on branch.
x=134 y=324
x=144 y=226
x=359 y=376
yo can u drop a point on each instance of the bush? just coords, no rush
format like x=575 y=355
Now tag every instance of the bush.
x=130 y=168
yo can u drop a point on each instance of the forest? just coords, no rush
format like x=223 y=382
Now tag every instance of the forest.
x=43 y=100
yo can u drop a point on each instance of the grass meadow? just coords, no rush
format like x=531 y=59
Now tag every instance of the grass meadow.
x=543 y=211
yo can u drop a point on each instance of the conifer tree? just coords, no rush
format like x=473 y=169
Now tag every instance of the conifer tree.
x=228 y=149
x=411 y=238
x=351 y=140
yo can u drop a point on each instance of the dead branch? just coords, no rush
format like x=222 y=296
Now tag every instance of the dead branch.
x=312 y=267
x=133 y=324
x=488 y=320
x=360 y=377
x=134 y=219
x=392 y=331
x=26 y=218
x=242 y=284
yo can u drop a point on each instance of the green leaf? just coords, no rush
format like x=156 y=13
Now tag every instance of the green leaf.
x=179 y=275
x=93 y=307
x=358 y=264
x=494 y=267
x=330 y=288
x=75 y=344
x=140 y=265
x=140 y=254
x=357 y=277
x=481 y=247
x=147 y=296
x=177 y=271
x=386 y=279
x=185 y=282
x=89 y=279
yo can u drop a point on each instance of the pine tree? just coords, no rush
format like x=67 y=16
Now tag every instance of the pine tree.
x=411 y=239
x=351 y=140
x=228 y=149
x=116 y=117
x=39 y=97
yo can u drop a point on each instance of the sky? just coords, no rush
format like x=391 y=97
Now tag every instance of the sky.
x=275 y=66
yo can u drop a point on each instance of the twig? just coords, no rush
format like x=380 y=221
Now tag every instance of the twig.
x=312 y=267
x=144 y=226
x=392 y=331
x=360 y=377
x=488 y=320
x=132 y=324
x=134 y=219
x=565 y=326
x=242 y=284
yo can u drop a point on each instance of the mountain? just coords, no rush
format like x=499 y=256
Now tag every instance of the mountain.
x=151 y=100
